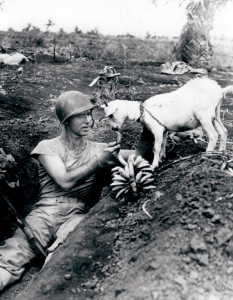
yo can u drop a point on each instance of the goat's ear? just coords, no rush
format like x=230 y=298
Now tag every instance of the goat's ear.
x=110 y=111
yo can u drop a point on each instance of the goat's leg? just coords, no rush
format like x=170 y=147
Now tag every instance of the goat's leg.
x=163 y=148
x=223 y=139
x=158 y=134
x=211 y=132
x=146 y=144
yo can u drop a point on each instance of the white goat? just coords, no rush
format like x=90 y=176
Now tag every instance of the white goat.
x=197 y=103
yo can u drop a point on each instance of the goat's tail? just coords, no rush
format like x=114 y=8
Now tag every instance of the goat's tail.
x=227 y=90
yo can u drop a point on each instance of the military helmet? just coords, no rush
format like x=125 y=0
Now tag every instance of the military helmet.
x=71 y=103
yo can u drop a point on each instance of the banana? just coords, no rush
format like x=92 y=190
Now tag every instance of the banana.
x=143 y=164
x=148 y=181
x=123 y=173
x=147 y=169
x=131 y=157
x=121 y=192
x=115 y=174
x=131 y=170
x=149 y=187
x=117 y=188
x=115 y=169
x=138 y=176
x=144 y=178
x=121 y=160
x=117 y=183
x=127 y=170
x=133 y=186
x=138 y=160
x=117 y=177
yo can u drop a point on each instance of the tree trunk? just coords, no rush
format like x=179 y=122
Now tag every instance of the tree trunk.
x=194 y=46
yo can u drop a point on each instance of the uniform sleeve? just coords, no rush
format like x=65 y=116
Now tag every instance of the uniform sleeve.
x=45 y=147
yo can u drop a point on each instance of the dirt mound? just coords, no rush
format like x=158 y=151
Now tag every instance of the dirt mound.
x=179 y=246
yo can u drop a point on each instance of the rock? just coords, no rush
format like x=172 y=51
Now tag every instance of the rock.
x=207 y=228
x=229 y=205
x=197 y=245
x=155 y=295
x=216 y=219
x=223 y=236
x=90 y=285
x=213 y=297
x=202 y=259
x=154 y=265
x=209 y=239
x=181 y=281
x=229 y=248
x=230 y=270
x=209 y=213
x=191 y=226
x=179 y=197
x=193 y=275
x=67 y=276
x=218 y=199
x=229 y=284
x=186 y=259
x=105 y=268
x=74 y=291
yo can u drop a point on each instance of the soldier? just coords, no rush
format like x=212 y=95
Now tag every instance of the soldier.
x=69 y=169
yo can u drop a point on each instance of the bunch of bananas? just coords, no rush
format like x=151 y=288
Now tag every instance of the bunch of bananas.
x=135 y=176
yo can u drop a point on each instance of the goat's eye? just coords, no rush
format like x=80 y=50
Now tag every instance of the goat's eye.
x=110 y=116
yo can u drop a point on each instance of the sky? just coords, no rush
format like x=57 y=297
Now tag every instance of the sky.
x=113 y=17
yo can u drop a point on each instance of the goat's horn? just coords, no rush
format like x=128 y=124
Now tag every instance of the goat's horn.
x=105 y=103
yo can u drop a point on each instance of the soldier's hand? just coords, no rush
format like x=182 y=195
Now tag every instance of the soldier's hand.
x=109 y=154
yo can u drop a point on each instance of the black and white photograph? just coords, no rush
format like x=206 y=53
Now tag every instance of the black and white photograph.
x=116 y=150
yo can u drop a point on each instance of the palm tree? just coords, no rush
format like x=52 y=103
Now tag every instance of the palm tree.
x=1 y=4
x=194 y=45
x=28 y=27
x=61 y=31
x=49 y=24
x=77 y=30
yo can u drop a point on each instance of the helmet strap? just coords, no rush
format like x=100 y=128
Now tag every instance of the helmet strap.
x=93 y=121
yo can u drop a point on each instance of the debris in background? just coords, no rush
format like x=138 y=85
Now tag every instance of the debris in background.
x=194 y=134
x=106 y=82
x=180 y=67
x=2 y=91
x=8 y=170
x=13 y=59
x=227 y=166
x=19 y=73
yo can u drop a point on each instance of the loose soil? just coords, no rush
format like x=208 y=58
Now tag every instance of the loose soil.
x=183 y=251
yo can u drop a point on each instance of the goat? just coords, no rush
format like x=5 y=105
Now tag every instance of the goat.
x=197 y=103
